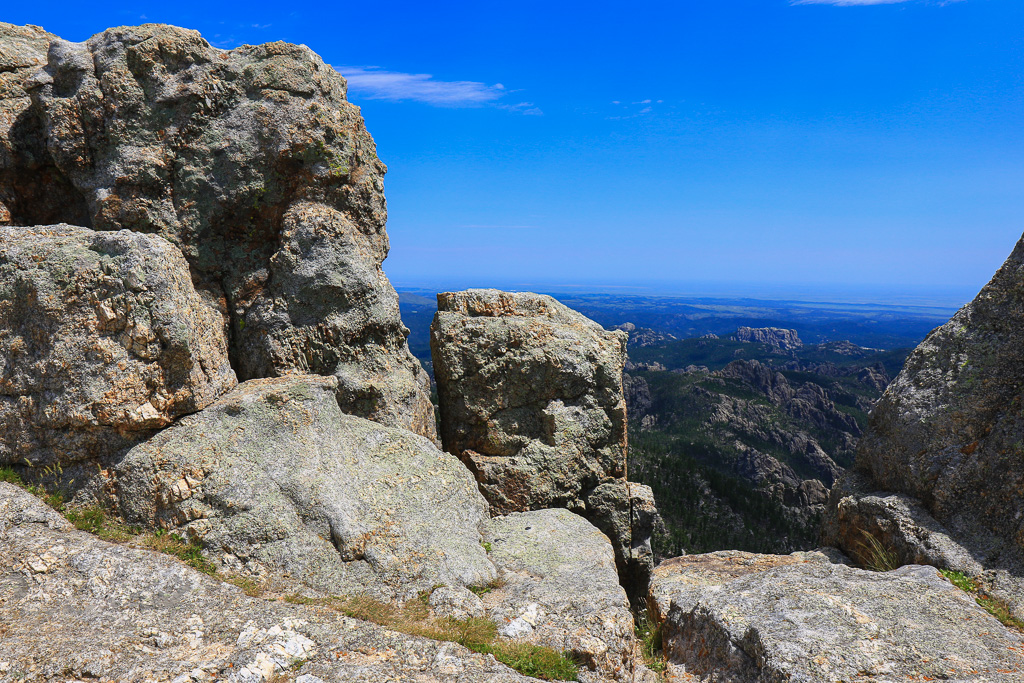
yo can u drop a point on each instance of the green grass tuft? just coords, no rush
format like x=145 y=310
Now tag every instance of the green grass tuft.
x=95 y=520
x=531 y=660
x=649 y=635
x=189 y=552
x=9 y=476
x=997 y=608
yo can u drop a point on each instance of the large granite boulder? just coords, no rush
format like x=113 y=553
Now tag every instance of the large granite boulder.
x=251 y=162
x=103 y=340
x=947 y=435
x=73 y=607
x=744 y=618
x=274 y=477
x=559 y=588
x=531 y=399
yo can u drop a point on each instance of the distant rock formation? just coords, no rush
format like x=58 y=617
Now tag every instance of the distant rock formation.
x=734 y=616
x=644 y=336
x=103 y=340
x=251 y=162
x=948 y=433
x=531 y=399
x=784 y=340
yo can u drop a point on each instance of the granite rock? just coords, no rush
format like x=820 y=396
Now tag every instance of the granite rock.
x=103 y=340
x=737 y=617
x=252 y=163
x=73 y=607
x=558 y=587
x=861 y=518
x=531 y=399
x=273 y=475
x=948 y=431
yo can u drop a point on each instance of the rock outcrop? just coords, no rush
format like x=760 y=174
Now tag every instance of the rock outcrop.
x=273 y=476
x=251 y=162
x=73 y=607
x=531 y=399
x=103 y=340
x=744 y=618
x=947 y=435
x=863 y=520
x=559 y=588
x=784 y=340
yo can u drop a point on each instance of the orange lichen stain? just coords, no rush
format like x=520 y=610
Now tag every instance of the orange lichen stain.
x=969 y=449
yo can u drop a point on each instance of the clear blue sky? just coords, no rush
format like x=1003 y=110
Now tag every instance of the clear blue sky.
x=758 y=144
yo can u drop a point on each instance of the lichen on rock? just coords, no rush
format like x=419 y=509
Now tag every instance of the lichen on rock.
x=273 y=473
x=251 y=162
x=531 y=399
x=103 y=340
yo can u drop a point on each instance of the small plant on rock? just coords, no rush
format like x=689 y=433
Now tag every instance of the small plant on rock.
x=997 y=608
x=875 y=555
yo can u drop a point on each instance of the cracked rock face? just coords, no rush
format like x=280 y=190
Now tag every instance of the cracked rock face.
x=531 y=399
x=949 y=430
x=103 y=340
x=733 y=617
x=251 y=162
x=274 y=475
x=530 y=395
x=129 y=615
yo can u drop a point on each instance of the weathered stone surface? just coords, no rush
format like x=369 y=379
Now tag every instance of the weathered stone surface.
x=948 y=430
x=252 y=162
x=75 y=608
x=758 y=618
x=531 y=400
x=275 y=475
x=530 y=395
x=901 y=526
x=103 y=340
x=560 y=589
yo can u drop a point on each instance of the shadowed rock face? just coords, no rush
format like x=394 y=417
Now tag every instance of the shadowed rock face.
x=251 y=162
x=949 y=430
x=274 y=475
x=531 y=399
x=103 y=340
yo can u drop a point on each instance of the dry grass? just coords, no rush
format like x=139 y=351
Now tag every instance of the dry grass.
x=189 y=552
x=475 y=633
x=875 y=556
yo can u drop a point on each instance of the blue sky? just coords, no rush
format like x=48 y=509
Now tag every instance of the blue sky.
x=752 y=145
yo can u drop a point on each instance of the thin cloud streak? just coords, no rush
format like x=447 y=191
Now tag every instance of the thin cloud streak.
x=861 y=3
x=845 y=3
x=501 y=227
x=379 y=84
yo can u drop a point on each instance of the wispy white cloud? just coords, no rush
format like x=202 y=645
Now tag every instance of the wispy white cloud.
x=858 y=3
x=379 y=84
x=629 y=110
x=845 y=3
